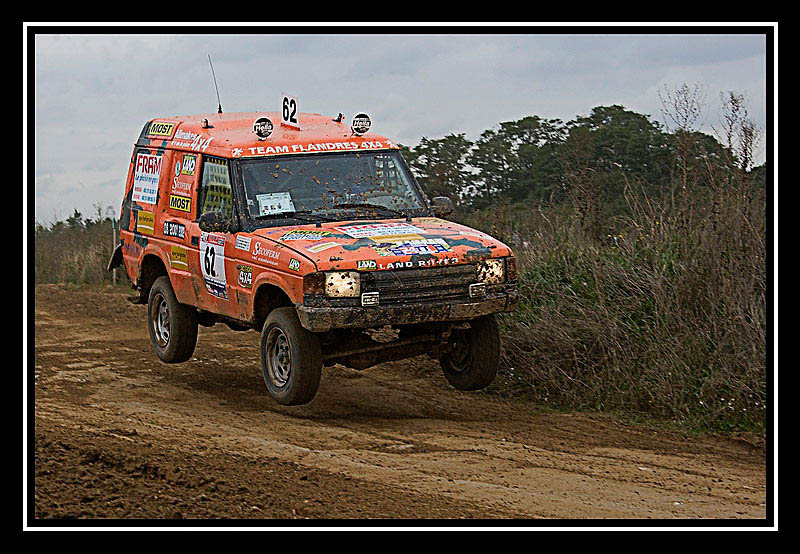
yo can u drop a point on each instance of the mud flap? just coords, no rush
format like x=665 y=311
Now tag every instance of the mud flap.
x=116 y=258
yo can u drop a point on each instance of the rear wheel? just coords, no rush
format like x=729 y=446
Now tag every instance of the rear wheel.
x=473 y=362
x=172 y=325
x=291 y=358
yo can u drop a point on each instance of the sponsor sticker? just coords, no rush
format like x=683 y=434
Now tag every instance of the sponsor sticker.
x=188 y=165
x=161 y=129
x=323 y=246
x=263 y=254
x=304 y=235
x=212 y=264
x=367 y=265
x=245 y=276
x=145 y=222
x=413 y=247
x=242 y=243
x=192 y=141
x=294 y=265
x=181 y=203
x=361 y=123
x=262 y=127
x=145 y=178
x=178 y=258
x=174 y=229
x=379 y=230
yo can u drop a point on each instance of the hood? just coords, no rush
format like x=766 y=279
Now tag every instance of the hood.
x=387 y=243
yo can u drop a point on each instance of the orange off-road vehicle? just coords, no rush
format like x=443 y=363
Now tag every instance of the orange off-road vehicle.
x=314 y=232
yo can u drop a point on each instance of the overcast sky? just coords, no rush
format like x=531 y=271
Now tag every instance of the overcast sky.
x=93 y=94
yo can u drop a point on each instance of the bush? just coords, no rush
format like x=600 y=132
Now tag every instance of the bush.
x=664 y=315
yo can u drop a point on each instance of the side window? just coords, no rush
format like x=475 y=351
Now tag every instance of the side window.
x=215 y=194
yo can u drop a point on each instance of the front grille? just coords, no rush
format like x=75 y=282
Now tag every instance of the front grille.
x=403 y=286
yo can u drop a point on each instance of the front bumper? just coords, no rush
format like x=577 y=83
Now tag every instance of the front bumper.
x=319 y=319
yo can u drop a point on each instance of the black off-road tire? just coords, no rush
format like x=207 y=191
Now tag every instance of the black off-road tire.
x=473 y=363
x=182 y=323
x=286 y=344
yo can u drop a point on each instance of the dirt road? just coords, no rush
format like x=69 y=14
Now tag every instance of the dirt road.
x=119 y=434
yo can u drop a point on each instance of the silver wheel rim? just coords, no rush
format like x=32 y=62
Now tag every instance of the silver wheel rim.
x=159 y=320
x=279 y=358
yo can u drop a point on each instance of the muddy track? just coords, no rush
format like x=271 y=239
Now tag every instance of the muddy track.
x=119 y=434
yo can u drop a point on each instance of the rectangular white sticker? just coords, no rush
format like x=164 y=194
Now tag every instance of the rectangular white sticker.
x=242 y=243
x=212 y=263
x=379 y=230
x=275 y=203
x=145 y=178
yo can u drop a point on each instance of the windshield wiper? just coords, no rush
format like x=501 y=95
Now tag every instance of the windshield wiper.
x=369 y=206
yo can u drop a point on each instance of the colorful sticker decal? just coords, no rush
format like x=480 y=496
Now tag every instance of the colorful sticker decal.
x=181 y=203
x=367 y=265
x=174 y=229
x=242 y=243
x=212 y=263
x=145 y=178
x=265 y=255
x=379 y=230
x=304 y=235
x=294 y=265
x=245 y=276
x=323 y=246
x=145 y=222
x=412 y=247
x=178 y=258
x=274 y=203
x=161 y=129
x=189 y=162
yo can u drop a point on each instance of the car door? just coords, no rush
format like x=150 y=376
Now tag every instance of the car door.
x=216 y=273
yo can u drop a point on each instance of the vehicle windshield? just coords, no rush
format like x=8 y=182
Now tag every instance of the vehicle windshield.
x=348 y=185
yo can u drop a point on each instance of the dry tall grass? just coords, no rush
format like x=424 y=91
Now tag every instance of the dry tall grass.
x=665 y=315
x=77 y=253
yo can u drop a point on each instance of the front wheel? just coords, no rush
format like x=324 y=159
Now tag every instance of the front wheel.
x=472 y=363
x=172 y=325
x=291 y=358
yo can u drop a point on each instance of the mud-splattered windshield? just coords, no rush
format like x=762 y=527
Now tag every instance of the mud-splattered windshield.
x=330 y=186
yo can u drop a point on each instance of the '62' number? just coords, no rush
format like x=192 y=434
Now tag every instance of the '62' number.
x=289 y=113
x=209 y=261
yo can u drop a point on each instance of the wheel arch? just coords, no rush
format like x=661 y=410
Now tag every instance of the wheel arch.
x=267 y=297
x=151 y=268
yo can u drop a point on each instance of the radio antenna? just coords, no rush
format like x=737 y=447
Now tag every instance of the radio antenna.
x=219 y=102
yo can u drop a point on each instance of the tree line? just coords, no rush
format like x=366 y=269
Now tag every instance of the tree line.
x=539 y=161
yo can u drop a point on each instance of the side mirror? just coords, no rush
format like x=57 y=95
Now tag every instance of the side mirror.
x=215 y=222
x=442 y=206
